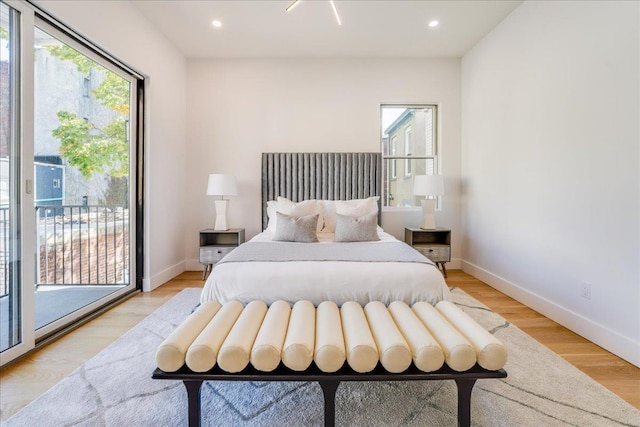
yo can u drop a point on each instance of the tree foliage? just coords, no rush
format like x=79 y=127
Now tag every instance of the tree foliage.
x=86 y=145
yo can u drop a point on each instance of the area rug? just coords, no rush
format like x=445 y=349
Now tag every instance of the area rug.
x=115 y=389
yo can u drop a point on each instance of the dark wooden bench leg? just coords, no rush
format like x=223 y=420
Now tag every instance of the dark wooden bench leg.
x=193 y=397
x=329 y=390
x=465 y=387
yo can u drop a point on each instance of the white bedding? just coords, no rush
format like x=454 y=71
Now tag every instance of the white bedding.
x=318 y=281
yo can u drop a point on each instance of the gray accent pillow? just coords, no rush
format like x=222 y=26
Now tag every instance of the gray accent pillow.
x=296 y=229
x=356 y=229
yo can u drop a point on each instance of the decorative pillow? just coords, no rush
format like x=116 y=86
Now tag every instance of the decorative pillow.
x=360 y=229
x=358 y=207
x=296 y=229
x=304 y=208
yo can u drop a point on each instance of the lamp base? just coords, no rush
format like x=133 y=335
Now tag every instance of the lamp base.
x=428 y=217
x=221 y=215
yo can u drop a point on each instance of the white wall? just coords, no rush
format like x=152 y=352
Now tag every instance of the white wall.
x=238 y=109
x=123 y=31
x=550 y=116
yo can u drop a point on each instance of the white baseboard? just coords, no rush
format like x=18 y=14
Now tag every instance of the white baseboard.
x=193 y=265
x=454 y=264
x=149 y=284
x=606 y=338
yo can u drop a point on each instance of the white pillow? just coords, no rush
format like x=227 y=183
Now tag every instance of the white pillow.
x=287 y=207
x=358 y=207
x=304 y=208
x=327 y=209
x=272 y=208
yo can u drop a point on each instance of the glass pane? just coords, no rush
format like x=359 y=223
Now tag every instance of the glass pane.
x=408 y=131
x=10 y=316
x=398 y=185
x=81 y=149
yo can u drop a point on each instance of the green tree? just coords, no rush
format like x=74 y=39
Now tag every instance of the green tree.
x=89 y=147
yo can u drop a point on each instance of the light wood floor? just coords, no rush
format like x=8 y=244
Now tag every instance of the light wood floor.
x=27 y=379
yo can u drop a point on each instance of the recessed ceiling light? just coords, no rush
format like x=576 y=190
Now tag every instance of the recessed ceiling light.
x=216 y=23
x=433 y=24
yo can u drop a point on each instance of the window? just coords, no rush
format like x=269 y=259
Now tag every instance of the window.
x=409 y=143
x=407 y=151
x=394 y=163
x=86 y=87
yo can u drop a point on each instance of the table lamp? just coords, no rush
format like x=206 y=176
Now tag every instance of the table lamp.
x=221 y=185
x=428 y=185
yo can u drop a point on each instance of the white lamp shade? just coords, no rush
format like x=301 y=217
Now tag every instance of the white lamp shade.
x=428 y=185
x=222 y=185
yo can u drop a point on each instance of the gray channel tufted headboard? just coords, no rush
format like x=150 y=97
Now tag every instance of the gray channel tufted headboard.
x=322 y=176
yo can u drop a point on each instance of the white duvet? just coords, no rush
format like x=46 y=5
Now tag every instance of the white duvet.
x=318 y=281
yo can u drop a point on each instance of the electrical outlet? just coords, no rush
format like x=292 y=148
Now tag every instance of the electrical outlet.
x=585 y=290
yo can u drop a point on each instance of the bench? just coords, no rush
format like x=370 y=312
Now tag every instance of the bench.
x=329 y=345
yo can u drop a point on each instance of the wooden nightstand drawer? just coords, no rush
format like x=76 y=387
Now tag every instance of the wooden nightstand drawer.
x=434 y=244
x=435 y=253
x=215 y=244
x=213 y=254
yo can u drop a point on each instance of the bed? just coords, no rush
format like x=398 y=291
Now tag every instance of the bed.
x=380 y=268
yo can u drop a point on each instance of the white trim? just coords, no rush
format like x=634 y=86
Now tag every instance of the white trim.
x=193 y=264
x=149 y=284
x=618 y=344
x=454 y=264
x=27 y=208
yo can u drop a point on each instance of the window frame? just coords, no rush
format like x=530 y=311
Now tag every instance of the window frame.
x=390 y=158
x=408 y=151
x=393 y=148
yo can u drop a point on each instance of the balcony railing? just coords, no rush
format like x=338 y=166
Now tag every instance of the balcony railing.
x=76 y=245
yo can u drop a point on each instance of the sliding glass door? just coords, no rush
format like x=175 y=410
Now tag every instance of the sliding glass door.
x=17 y=334
x=82 y=157
x=10 y=301
x=70 y=178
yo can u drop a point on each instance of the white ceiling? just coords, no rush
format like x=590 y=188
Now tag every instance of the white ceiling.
x=373 y=29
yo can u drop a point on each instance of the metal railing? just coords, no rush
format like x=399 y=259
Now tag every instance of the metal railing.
x=77 y=245
x=82 y=245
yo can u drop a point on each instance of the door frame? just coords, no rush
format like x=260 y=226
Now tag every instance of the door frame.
x=31 y=16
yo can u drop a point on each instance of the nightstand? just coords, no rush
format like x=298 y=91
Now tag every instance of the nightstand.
x=434 y=244
x=214 y=244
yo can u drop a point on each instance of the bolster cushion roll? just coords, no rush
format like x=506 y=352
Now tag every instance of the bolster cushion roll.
x=362 y=354
x=395 y=355
x=203 y=353
x=458 y=352
x=297 y=353
x=171 y=354
x=236 y=350
x=267 y=349
x=329 y=352
x=427 y=354
x=491 y=353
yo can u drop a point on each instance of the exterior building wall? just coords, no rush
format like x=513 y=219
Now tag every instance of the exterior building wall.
x=421 y=126
x=59 y=86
